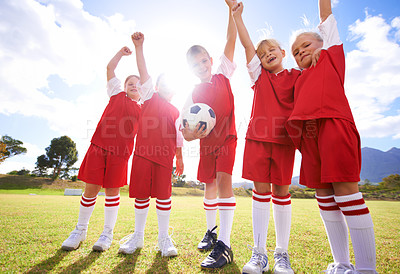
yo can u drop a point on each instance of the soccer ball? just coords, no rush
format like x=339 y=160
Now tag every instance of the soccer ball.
x=199 y=113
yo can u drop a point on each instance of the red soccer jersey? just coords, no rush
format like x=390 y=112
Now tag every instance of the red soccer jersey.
x=272 y=106
x=156 y=138
x=118 y=126
x=319 y=92
x=218 y=95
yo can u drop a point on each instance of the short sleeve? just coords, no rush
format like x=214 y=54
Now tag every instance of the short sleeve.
x=254 y=69
x=114 y=87
x=226 y=67
x=329 y=32
x=146 y=90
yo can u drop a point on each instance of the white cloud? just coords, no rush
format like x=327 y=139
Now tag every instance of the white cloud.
x=372 y=79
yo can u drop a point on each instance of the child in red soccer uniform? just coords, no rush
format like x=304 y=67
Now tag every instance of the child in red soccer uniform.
x=269 y=152
x=106 y=161
x=157 y=142
x=330 y=145
x=217 y=150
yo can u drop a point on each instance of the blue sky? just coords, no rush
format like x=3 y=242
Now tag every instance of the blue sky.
x=54 y=54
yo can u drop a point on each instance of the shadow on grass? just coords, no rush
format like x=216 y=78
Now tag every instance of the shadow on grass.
x=83 y=263
x=160 y=264
x=128 y=264
x=50 y=263
x=229 y=268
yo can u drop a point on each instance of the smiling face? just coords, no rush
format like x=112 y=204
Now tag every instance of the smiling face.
x=200 y=63
x=304 y=47
x=271 y=55
x=130 y=87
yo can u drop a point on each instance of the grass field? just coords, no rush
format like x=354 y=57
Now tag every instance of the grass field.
x=32 y=228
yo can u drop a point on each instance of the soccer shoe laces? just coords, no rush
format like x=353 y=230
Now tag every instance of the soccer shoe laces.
x=257 y=257
x=282 y=260
x=208 y=236
x=166 y=242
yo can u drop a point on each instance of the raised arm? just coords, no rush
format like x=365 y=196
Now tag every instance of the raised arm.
x=325 y=9
x=231 y=33
x=138 y=39
x=112 y=65
x=244 y=36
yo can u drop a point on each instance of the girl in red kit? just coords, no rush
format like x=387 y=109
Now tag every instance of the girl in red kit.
x=325 y=132
x=269 y=152
x=157 y=142
x=106 y=161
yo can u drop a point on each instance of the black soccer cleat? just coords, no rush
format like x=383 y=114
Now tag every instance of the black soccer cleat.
x=209 y=240
x=219 y=256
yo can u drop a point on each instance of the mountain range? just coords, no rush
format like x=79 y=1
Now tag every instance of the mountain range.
x=375 y=166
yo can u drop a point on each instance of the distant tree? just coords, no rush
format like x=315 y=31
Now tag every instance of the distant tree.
x=60 y=156
x=391 y=181
x=42 y=164
x=10 y=147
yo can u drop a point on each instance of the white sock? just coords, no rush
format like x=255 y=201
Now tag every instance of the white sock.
x=361 y=229
x=282 y=209
x=141 y=211
x=111 y=207
x=85 y=211
x=163 y=212
x=261 y=212
x=211 y=206
x=226 y=208
x=336 y=229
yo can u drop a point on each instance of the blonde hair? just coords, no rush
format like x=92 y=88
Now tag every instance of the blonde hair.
x=311 y=33
x=269 y=42
x=196 y=49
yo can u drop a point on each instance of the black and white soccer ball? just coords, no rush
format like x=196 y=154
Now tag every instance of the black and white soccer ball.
x=199 y=113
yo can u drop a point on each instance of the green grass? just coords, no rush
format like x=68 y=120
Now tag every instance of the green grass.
x=32 y=228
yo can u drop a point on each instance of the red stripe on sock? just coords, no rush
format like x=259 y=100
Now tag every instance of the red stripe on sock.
x=351 y=203
x=88 y=199
x=281 y=202
x=163 y=208
x=110 y=205
x=88 y=205
x=329 y=208
x=211 y=205
x=141 y=207
x=324 y=201
x=262 y=200
x=112 y=200
x=281 y=197
x=356 y=212
x=163 y=203
x=226 y=204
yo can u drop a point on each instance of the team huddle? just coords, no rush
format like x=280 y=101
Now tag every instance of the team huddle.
x=302 y=108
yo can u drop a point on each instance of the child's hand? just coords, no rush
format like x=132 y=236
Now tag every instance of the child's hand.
x=125 y=51
x=231 y=3
x=179 y=167
x=315 y=57
x=198 y=133
x=237 y=9
x=137 y=39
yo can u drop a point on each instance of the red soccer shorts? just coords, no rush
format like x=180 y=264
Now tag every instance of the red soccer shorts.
x=100 y=167
x=149 y=179
x=221 y=160
x=268 y=162
x=331 y=152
